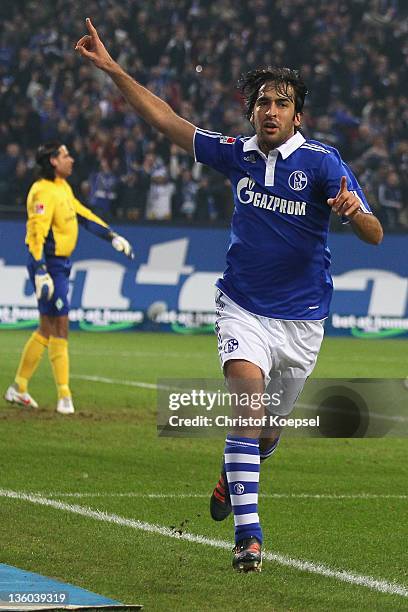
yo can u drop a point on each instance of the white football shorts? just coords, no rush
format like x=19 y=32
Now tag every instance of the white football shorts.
x=286 y=351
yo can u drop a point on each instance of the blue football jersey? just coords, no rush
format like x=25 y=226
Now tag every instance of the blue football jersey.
x=278 y=260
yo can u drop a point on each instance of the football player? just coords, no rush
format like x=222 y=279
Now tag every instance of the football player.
x=275 y=292
x=52 y=231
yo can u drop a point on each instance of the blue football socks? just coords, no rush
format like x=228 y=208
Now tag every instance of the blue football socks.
x=242 y=462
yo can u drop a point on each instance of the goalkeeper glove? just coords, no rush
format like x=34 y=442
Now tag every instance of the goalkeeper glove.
x=44 y=285
x=122 y=245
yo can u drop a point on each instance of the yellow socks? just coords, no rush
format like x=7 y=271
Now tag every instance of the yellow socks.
x=58 y=354
x=31 y=357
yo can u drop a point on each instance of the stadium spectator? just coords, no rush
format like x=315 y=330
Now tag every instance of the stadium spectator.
x=103 y=185
x=8 y=165
x=160 y=196
x=131 y=156
x=206 y=209
x=132 y=196
x=390 y=196
x=19 y=185
x=187 y=196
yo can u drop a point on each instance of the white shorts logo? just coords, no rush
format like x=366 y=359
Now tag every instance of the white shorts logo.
x=239 y=488
x=231 y=345
x=297 y=180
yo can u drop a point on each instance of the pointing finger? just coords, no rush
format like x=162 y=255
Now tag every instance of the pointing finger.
x=91 y=28
x=343 y=184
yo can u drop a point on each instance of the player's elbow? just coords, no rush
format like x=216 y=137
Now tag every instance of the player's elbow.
x=376 y=236
x=380 y=234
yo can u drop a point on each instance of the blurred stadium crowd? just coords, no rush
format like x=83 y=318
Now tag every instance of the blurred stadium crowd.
x=353 y=55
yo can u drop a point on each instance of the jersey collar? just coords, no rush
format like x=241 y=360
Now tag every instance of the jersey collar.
x=285 y=149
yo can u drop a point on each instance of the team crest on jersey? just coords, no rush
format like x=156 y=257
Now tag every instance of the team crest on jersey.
x=39 y=209
x=230 y=345
x=227 y=139
x=297 y=180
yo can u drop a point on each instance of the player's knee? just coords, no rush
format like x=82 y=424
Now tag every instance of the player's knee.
x=53 y=326
x=240 y=368
x=44 y=333
x=61 y=327
x=45 y=327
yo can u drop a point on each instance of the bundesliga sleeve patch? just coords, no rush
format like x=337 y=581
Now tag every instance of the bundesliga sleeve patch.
x=39 y=208
x=227 y=139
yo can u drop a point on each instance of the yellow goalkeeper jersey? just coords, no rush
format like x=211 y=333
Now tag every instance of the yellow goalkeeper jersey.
x=52 y=225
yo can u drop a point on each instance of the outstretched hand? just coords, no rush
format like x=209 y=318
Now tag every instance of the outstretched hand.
x=122 y=245
x=91 y=47
x=345 y=203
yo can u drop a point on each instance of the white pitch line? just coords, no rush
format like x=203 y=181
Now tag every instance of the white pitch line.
x=130 y=494
x=143 y=354
x=115 y=381
x=381 y=586
x=136 y=353
x=127 y=383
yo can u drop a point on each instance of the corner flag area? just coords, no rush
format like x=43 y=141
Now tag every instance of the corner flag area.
x=21 y=590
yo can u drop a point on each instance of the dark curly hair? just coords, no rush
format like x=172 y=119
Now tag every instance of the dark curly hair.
x=44 y=153
x=282 y=79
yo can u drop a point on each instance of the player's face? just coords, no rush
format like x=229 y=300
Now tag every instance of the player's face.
x=274 y=117
x=63 y=163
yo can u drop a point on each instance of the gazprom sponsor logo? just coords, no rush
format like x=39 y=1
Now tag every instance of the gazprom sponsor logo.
x=247 y=195
x=244 y=190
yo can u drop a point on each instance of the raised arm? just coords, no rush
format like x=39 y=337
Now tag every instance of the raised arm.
x=152 y=109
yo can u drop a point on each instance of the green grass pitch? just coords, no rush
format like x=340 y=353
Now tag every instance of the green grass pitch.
x=109 y=454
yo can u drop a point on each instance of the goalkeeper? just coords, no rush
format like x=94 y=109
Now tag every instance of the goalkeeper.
x=52 y=232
